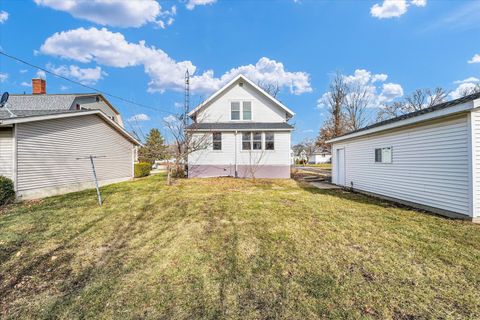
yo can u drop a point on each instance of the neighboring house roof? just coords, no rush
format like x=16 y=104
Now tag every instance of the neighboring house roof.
x=234 y=80
x=241 y=126
x=49 y=101
x=22 y=116
x=439 y=110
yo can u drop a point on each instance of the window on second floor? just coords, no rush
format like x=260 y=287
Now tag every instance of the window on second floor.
x=235 y=110
x=247 y=110
x=217 y=141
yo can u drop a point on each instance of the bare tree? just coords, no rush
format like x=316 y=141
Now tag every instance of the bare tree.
x=334 y=100
x=185 y=141
x=417 y=100
x=271 y=88
x=357 y=100
x=470 y=90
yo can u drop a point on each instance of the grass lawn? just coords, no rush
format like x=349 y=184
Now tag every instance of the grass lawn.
x=225 y=248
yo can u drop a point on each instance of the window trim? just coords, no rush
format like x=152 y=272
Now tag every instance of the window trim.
x=243 y=110
x=379 y=158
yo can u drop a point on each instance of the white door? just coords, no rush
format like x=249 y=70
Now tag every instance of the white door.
x=340 y=167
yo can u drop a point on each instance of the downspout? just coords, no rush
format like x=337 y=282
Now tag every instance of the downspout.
x=236 y=172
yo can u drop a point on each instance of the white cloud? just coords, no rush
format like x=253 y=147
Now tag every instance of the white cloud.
x=475 y=59
x=3 y=16
x=192 y=3
x=25 y=84
x=41 y=74
x=63 y=88
x=117 y=13
x=467 y=80
x=391 y=91
x=378 y=91
x=83 y=75
x=3 y=77
x=112 y=49
x=170 y=119
x=139 y=117
x=462 y=89
x=394 y=8
x=23 y=70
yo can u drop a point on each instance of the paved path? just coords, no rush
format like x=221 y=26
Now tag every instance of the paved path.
x=316 y=170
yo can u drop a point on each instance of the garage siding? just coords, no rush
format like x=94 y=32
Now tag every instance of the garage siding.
x=6 y=152
x=47 y=153
x=430 y=164
x=476 y=161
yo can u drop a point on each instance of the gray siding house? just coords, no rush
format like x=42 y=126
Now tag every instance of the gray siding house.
x=40 y=145
x=428 y=159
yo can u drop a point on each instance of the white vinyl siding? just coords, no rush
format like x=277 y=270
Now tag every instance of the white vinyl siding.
x=262 y=109
x=47 y=152
x=430 y=164
x=6 y=152
x=279 y=156
x=476 y=162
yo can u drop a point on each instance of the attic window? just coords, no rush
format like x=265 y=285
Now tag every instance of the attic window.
x=77 y=106
x=241 y=84
x=97 y=98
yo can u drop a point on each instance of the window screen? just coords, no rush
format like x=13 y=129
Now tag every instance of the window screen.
x=235 y=110
x=247 y=110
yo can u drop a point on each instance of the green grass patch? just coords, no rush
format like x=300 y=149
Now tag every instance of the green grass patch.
x=226 y=248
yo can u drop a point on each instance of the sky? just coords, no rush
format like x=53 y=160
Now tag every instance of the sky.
x=140 y=50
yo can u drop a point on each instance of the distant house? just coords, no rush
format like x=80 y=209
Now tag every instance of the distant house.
x=320 y=156
x=247 y=131
x=429 y=158
x=41 y=143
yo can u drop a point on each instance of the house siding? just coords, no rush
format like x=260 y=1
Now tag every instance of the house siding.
x=6 y=152
x=47 y=153
x=430 y=164
x=263 y=110
x=264 y=164
x=476 y=162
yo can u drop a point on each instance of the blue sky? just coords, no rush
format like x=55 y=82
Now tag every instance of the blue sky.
x=140 y=49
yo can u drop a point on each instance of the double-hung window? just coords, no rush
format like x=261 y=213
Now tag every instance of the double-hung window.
x=257 y=141
x=247 y=110
x=383 y=155
x=269 y=141
x=247 y=141
x=217 y=141
x=235 y=110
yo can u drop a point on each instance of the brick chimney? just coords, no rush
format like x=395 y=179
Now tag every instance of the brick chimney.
x=39 y=86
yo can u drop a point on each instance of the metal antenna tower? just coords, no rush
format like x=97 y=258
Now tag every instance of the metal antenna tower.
x=187 y=98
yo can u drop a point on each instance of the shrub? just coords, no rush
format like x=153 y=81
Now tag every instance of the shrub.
x=7 y=191
x=142 y=169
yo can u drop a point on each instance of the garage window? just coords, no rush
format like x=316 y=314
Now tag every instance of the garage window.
x=383 y=155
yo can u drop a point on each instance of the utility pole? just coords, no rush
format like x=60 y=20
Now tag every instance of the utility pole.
x=95 y=176
x=187 y=99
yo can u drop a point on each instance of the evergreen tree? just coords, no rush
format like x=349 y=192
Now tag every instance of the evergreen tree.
x=154 y=148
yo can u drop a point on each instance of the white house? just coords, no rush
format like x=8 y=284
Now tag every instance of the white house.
x=429 y=158
x=246 y=133
x=321 y=156
x=46 y=140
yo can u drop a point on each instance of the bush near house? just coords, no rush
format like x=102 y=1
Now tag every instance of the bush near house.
x=7 y=191
x=142 y=169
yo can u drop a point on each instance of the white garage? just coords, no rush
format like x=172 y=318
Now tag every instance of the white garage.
x=428 y=159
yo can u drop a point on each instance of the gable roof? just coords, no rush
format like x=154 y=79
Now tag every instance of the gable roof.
x=50 y=101
x=436 y=111
x=22 y=116
x=228 y=85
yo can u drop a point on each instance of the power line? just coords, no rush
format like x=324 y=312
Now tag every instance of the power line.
x=84 y=85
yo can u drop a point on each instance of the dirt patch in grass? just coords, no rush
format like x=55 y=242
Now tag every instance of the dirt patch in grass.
x=226 y=248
